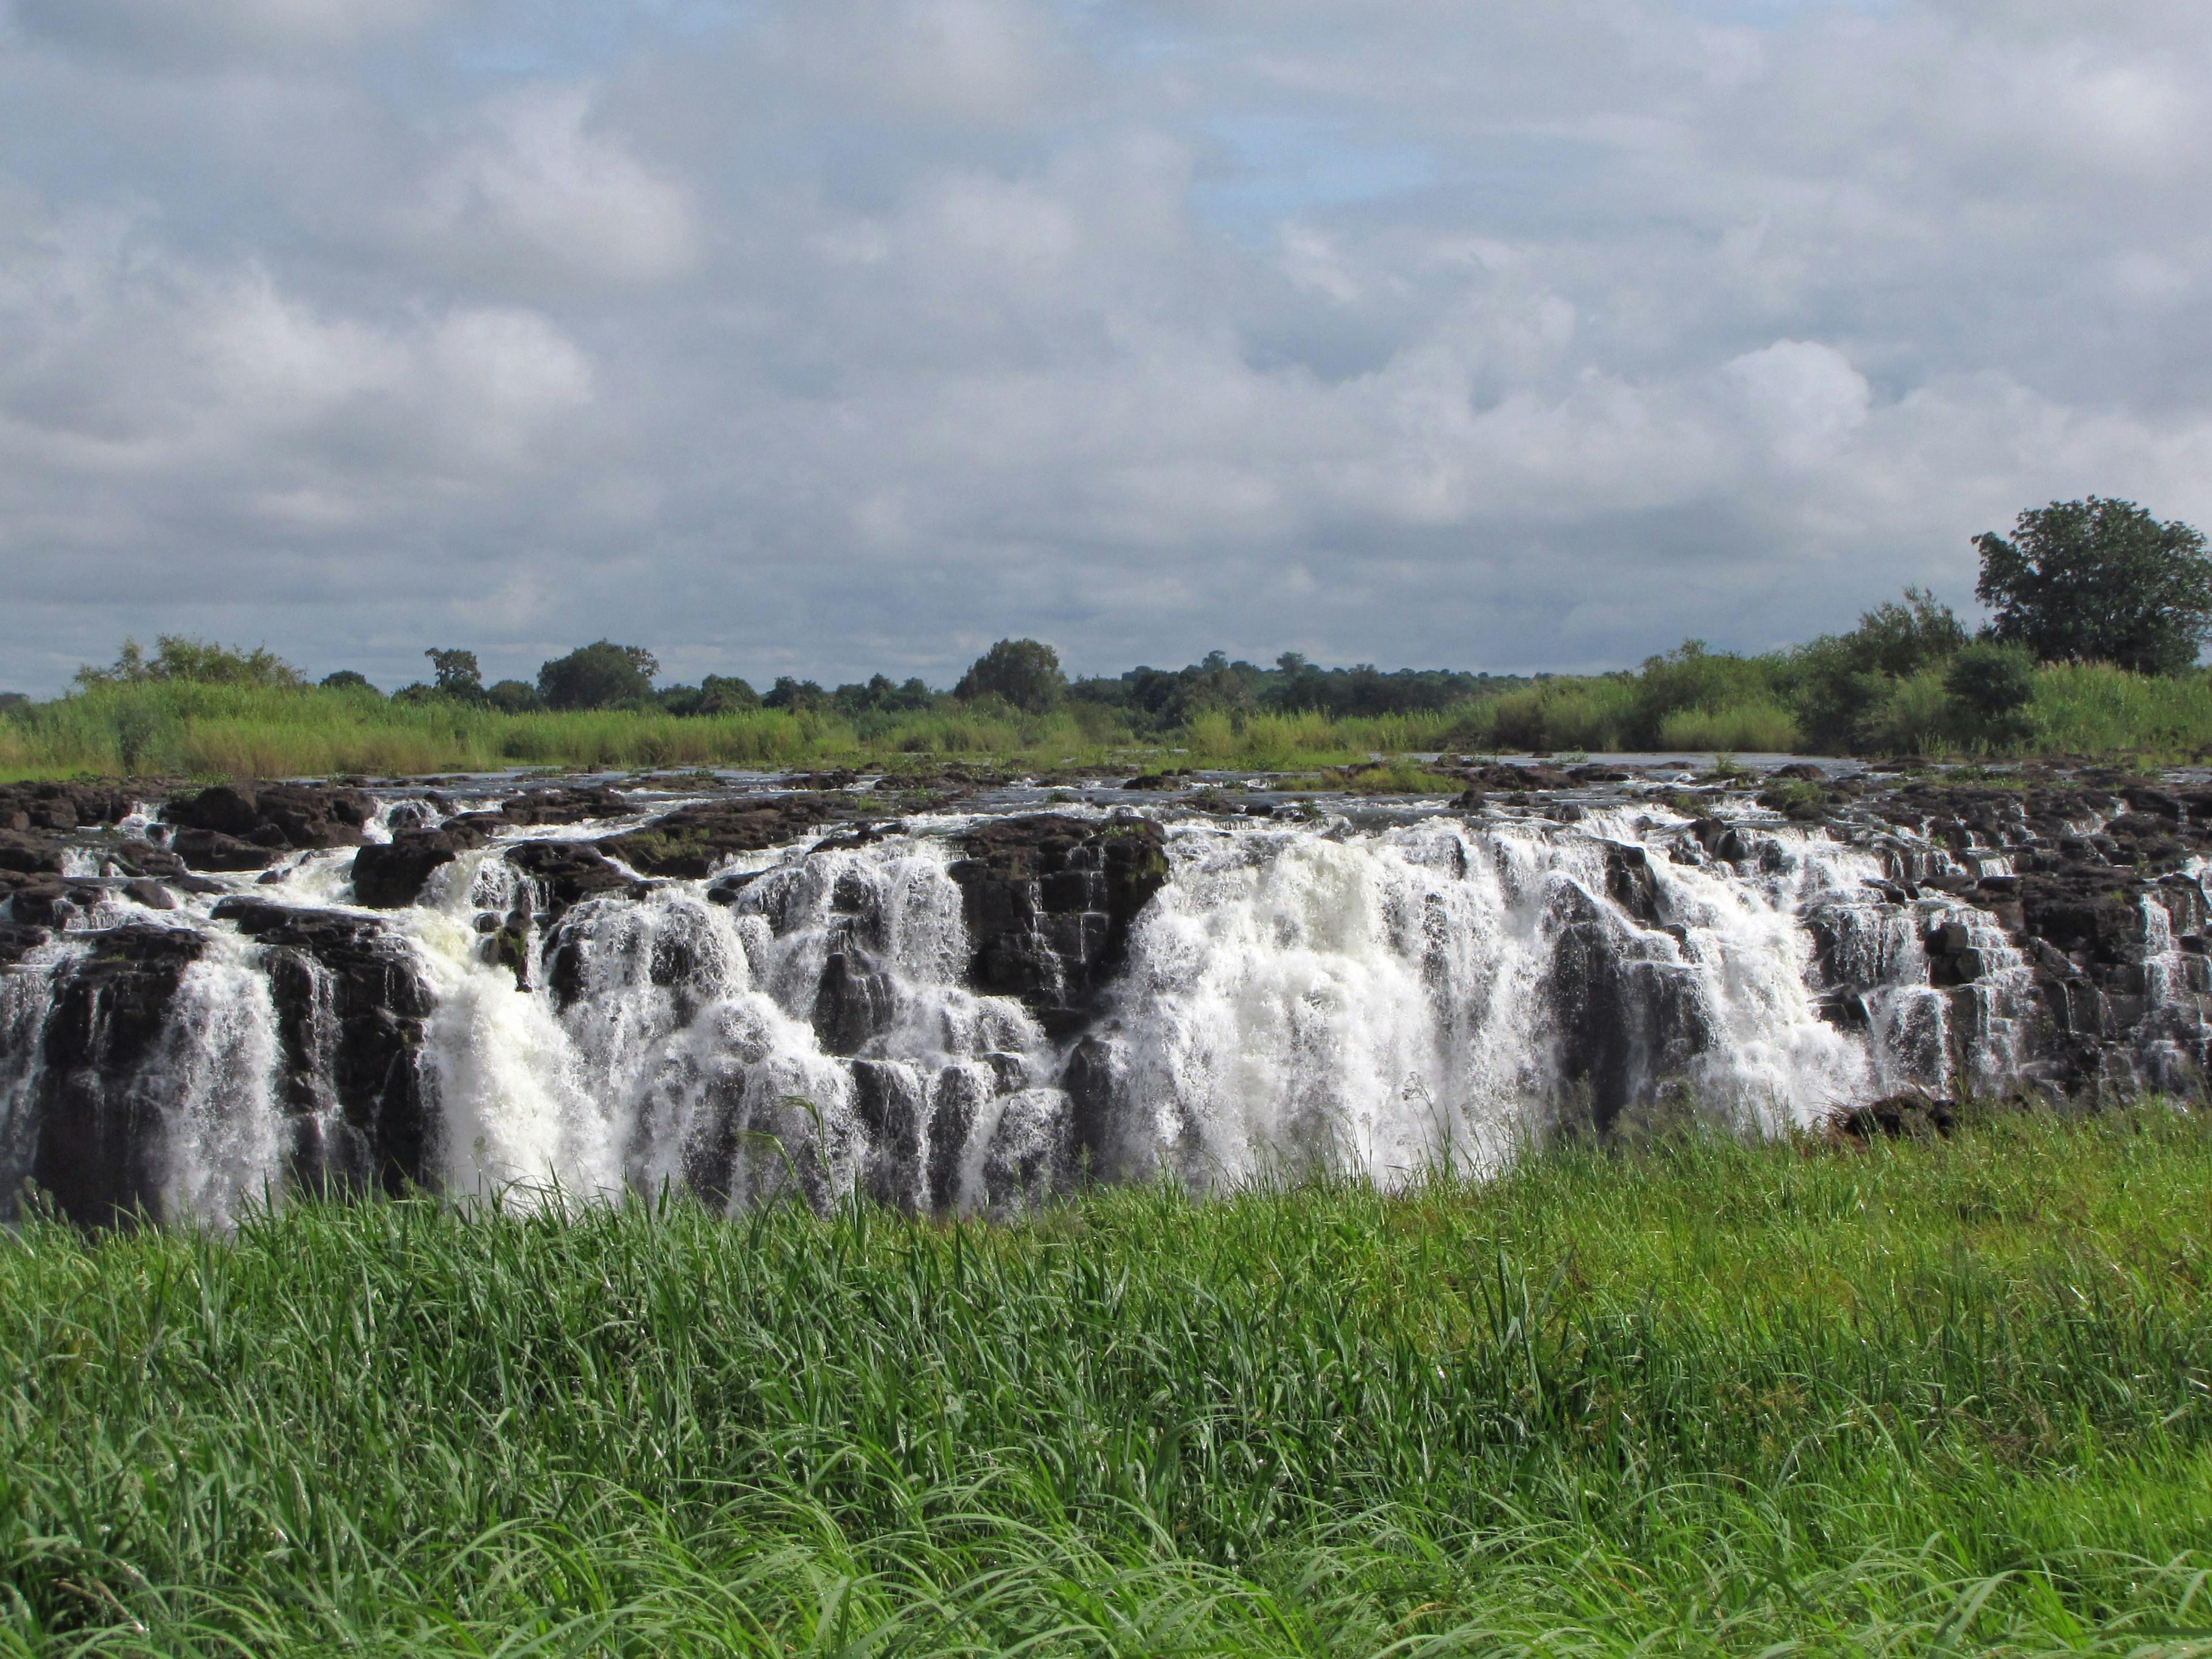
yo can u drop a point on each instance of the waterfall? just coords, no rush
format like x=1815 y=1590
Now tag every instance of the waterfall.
x=1378 y=998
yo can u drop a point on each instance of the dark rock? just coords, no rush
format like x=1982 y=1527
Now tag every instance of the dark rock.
x=98 y=1136
x=28 y=854
x=852 y=1003
x=282 y=816
x=350 y=1010
x=1630 y=882
x=151 y=894
x=42 y=901
x=1049 y=903
x=142 y=858
x=565 y=805
x=210 y=849
x=1630 y=1018
x=692 y=840
x=1908 y=1116
x=392 y=877
x=565 y=871
x=18 y=941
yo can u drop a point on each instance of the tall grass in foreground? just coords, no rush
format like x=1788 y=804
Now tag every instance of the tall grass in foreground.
x=1712 y=1398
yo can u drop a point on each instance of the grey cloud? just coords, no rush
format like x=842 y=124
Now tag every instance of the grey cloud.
x=848 y=335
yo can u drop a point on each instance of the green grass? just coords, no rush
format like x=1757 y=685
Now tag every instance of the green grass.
x=1704 y=1398
x=183 y=729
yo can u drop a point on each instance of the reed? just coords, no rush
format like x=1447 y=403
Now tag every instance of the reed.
x=1703 y=1396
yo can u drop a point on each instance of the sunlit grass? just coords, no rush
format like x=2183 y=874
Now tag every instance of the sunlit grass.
x=1708 y=1397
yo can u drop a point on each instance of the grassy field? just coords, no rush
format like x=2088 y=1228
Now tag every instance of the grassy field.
x=1706 y=1398
x=183 y=729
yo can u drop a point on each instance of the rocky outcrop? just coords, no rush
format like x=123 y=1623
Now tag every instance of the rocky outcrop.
x=692 y=840
x=215 y=825
x=565 y=873
x=392 y=876
x=1049 y=903
x=56 y=808
x=98 y=1132
x=350 y=1007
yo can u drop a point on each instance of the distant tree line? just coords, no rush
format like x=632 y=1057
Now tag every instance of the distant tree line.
x=2092 y=581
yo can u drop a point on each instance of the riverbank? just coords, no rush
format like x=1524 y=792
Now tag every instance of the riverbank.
x=1910 y=1397
x=189 y=729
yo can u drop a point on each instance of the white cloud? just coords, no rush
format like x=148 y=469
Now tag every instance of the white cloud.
x=534 y=190
x=852 y=333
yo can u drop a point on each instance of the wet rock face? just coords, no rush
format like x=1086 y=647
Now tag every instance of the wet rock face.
x=692 y=840
x=392 y=877
x=566 y=872
x=59 y=808
x=1049 y=903
x=350 y=1009
x=97 y=1135
x=225 y=827
x=2098 y=902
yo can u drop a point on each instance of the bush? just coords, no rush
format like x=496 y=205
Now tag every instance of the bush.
x=598 y=676
x=199 y=662
x=513 y=697
x=1025 y=673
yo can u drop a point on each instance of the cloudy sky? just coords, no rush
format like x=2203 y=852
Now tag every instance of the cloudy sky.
x=843 y=335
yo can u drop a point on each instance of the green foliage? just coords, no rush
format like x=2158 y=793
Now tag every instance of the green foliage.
x=513 y=697
x=199 y=662
x=1842 y=685
x=795 y=696
x=455 y=674
x=1024 y=672
x=1703 y=1397
x=1995 y=682
x=2100 y=581
x=348 y=679
x=2090 y=709
x=598 y=676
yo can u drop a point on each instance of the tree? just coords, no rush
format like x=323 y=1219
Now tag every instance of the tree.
x=348 y=679
x=595 y=675
x=2100 y=581
x=794 y=695
x=178 y=658
x=1023 y=672
x=457 y=674
x=514 y=696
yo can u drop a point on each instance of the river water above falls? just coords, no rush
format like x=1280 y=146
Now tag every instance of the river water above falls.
x=242 y=993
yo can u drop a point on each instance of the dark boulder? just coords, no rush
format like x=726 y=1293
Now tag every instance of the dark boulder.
x=392 y=876
x=211 y=850
x=566 y=872
x=692 y=840
x=29 y=854
x=350 y=1009
x=97 y=1131
x=282 y=816
x=1049 y=903
x=1907 y=1117
x=1630 y=882
x=43 y=901
x=565 y=805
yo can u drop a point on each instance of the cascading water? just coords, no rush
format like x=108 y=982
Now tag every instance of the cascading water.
x=939 y=1019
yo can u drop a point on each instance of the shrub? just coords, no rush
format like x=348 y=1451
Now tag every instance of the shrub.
x=598 y=675
x=1025 y=673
